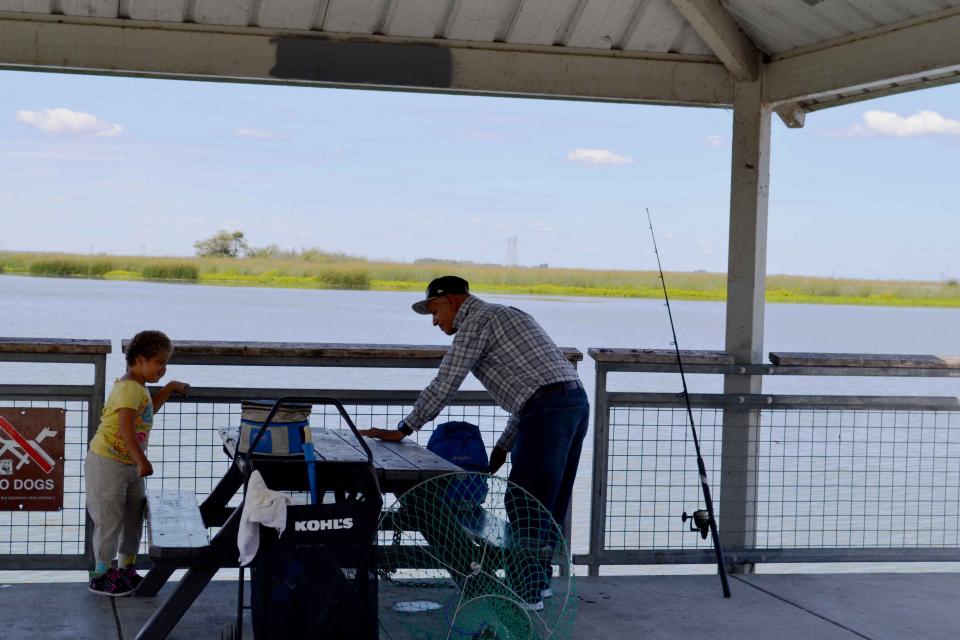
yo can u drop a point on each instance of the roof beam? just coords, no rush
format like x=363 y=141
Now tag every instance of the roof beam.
x=907 y=53
x=723 y=35
x=255 y=55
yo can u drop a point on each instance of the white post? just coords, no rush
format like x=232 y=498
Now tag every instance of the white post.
x=746 y=272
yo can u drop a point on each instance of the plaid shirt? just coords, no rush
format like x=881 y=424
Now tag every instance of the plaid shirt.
x=508 y=352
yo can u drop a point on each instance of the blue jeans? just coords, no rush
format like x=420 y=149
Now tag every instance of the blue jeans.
x=544 y=460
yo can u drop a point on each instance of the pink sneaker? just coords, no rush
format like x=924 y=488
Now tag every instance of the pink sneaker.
x=111 y=583
x=134 y=578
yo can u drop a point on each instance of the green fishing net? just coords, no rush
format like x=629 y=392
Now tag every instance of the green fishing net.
x=468 y=555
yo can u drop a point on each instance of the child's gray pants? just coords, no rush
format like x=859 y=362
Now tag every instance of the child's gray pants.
x=115 y=502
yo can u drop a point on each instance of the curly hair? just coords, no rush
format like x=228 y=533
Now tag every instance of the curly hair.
x=147 y=344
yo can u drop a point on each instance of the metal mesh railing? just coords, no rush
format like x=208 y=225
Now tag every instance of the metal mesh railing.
x=652 y=475
x=186 y=449
x=826 y=477
x=862 y=478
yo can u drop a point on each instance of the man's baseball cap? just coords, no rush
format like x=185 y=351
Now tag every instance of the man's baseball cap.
x=444 y=285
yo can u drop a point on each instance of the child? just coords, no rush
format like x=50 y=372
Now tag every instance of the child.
x=117 y=463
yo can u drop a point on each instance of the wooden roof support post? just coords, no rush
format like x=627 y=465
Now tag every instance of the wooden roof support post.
x=746 y=271
x=723 y=35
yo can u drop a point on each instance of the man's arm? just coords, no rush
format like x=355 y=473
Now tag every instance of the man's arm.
x=467 y=348
x=500 y=450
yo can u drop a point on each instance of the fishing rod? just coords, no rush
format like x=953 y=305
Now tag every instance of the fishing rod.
x=702 y=521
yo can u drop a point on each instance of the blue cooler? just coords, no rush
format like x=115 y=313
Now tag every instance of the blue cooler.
x=287 y=433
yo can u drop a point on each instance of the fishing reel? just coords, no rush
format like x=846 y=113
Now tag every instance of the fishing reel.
x=699 y=521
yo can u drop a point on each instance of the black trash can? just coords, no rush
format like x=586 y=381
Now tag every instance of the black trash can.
x=318 y=578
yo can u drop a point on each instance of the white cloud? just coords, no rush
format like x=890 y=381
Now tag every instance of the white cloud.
x=67 y=121
x=597 y=157
x=716 y=140
x=886 y=123
x=544 y=226
x=257 y=134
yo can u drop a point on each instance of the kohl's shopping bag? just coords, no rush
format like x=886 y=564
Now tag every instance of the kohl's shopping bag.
x=288 y=431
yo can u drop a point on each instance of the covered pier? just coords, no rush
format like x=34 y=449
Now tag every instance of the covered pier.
x=763 y=60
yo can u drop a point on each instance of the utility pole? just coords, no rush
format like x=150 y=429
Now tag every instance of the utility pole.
x=512 y=251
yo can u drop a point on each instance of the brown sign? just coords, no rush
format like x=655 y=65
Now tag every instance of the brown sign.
x=31 y=459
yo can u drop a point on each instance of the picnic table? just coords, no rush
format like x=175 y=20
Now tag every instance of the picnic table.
x=177 y=525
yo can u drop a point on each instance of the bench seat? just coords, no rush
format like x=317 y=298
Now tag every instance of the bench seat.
x=176 y=534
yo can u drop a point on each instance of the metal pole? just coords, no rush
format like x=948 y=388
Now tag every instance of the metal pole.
x=601 y=446
x=94 y=409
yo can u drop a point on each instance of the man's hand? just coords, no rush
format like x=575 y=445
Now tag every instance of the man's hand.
x=497 y=457
x=387 y=435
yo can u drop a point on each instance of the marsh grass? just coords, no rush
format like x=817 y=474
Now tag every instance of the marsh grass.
x=182 y=271
x=313 y=269
x=58 y=267
x=345 y=278
x=100 y=267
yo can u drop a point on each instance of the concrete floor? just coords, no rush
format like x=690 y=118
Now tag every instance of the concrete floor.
x=826 y=606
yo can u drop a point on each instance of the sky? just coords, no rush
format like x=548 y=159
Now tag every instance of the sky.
x=92 y=164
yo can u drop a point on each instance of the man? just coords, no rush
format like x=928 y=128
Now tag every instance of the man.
x=527 y=375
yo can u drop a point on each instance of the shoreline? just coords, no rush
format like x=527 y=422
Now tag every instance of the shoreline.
x=273 y=280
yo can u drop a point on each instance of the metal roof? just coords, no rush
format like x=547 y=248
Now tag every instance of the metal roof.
x=778 y=27
x=690 y=40
x=647 y=26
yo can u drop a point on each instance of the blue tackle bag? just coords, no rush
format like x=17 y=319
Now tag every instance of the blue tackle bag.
x=462 y=444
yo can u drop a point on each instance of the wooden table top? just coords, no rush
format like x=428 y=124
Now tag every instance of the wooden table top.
x=404 y=461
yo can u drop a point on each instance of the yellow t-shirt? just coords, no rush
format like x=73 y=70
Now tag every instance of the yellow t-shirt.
x=126 y=394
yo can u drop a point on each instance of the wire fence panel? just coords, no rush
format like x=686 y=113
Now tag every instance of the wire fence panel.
x=836 y=478
x=186 y=448
x=859 y=479
x=826 y=478
x=186 y=451
x=652 y=476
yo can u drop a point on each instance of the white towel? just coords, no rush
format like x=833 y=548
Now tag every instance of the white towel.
x=261 y=507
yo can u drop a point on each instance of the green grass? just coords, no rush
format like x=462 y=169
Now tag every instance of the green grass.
x=182 y=271
x=59 y=267
x=313 y=269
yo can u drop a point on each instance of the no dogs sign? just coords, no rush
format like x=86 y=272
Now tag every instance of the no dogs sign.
x=31 y=459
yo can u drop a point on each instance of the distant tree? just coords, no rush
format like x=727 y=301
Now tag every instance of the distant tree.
x=222 y=244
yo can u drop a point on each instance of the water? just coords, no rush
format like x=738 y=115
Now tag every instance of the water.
x=96 y=309
x=62 y=308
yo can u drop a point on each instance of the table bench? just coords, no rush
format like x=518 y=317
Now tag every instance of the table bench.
x=176 y=537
